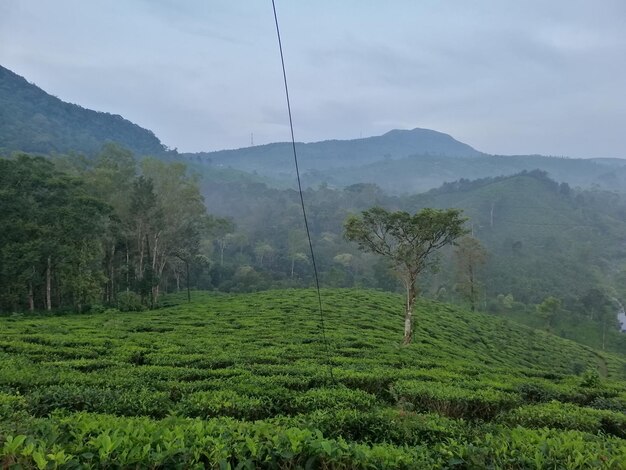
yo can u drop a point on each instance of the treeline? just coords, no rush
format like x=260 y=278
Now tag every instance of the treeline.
x=101 y=231
x=109 y=230
x=543 y=238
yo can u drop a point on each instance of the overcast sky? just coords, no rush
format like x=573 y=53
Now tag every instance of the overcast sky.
x=506 y=77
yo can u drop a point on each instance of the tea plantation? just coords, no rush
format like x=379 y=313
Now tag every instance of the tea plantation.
x=243 y=381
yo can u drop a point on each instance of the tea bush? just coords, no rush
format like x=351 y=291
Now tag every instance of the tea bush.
x=244 y=381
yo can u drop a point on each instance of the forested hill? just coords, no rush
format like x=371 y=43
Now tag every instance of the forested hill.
x=32 y=120
x=543 y=238
x=424 y=172
x=395 y=144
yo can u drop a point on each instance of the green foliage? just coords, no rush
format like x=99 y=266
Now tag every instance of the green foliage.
x=453 y=401
x=241 y=380
x=50 y=235
x=98 y=236
x=568 y=416
x=408 y=242
x=548 y=309
x=129 y=302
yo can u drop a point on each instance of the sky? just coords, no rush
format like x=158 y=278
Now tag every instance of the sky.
x=507 y=77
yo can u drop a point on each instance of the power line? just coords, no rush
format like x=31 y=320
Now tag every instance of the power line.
x=306 y=223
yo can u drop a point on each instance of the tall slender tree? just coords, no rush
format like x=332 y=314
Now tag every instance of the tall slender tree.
x=470 y=256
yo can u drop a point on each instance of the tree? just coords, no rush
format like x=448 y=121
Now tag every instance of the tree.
x=222 y=231
x=407 y=241
x=147 y=220
x=470 y=255
x=548 y=310
x=296 y=247
x=50 y=236
x=111 y=180
x=182 y=218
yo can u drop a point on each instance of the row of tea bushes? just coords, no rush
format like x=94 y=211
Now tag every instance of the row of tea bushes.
x=99 y=441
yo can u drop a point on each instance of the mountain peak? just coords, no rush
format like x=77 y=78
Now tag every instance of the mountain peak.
x=428 y=141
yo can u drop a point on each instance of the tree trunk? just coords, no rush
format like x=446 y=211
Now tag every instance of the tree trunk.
x=155 y=251
x=188 y=291
x=293 y=262
x=139 y=273
x=112 y=276
x=127 y=268
x=472 y=291
x=159 y=273
x=411 y=294
x=31 y=300
x=49 y=284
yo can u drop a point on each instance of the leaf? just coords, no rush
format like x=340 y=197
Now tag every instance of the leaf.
x=40 y=460
x=13 y=443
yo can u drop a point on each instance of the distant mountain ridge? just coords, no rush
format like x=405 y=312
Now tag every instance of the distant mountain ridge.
x=32 y=120
x=271 y=159
x=399 y=161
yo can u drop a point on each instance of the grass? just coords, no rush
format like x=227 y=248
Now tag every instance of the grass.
x=243 y=381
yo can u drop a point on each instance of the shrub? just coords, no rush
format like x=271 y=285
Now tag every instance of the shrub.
x=211 y=404
x=568 y=416
x=333 y=398
x=452 y=401
x=129 y=302
x=10 y=404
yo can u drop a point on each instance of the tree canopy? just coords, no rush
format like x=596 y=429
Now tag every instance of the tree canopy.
x=407 y=241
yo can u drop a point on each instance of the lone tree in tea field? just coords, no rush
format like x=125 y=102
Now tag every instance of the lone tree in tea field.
x=408 y=241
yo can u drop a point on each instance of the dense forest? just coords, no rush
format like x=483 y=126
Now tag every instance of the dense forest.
x=96 y=233
x=86 y=233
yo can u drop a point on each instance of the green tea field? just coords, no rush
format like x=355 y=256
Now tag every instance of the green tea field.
x=243 y=381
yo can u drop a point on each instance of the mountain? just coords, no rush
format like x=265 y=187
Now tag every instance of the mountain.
x=404 y=162
x=400 y=161
x=272 y=159
x=32 y=120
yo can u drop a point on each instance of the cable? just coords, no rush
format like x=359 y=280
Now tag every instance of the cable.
x=306 y=223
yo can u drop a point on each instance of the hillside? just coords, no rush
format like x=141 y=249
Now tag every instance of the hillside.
x=419 y=173
x=31 y=120
x=543 y=239
x=251 y=371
